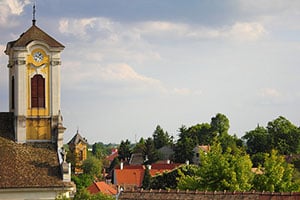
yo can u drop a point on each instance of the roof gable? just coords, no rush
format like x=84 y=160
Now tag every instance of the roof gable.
x=77 y=139
x=35 y=33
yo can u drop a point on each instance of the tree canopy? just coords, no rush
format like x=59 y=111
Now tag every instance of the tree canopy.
x=220 y=171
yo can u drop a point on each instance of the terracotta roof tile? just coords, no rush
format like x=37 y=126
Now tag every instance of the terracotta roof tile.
x=129 y=176
x=112 y=156
x=102 y=187
x=164 y=166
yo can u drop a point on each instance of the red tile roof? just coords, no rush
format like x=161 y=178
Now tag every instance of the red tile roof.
x=164 y=166
x=134 y=174
x=112 y=156
x=129 y=177
x=134 y=167
x=102 y=187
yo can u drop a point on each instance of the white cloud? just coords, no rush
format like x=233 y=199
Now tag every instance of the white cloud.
x=123 y=72
x=186 y=92
x=237 y=31
x=120 y=74
x=89 y=28
x=269 y=93
x=246 y=31
x=76 y=27
x=8 y=8
x=17 y=6
x=114 y=31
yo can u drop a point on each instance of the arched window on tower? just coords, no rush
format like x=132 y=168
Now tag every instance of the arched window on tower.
x=13 y=92
x=37 y=91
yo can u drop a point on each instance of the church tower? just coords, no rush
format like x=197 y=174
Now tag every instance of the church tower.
x=34 y=86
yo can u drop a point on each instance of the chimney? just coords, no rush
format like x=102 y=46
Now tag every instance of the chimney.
x=121 y=165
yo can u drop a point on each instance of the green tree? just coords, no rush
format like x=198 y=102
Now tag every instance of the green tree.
x=113 y=164
x=185 y=145
x=169 y=180
x=220 y=171
x=92 y=166
x=285 y=137
x=203 y=132
x=71 y=158
x=99 y=150
x=84 y=194
x=220 y=124
x=124 y=150
x=277 y=175
x=257 y=140
x=82 y=180
x=189 y=180
x=140 y=147
x=150 y=151
x=160 y=137
x=146 y=179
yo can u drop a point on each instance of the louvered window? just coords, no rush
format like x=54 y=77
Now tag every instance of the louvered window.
x=37 y=92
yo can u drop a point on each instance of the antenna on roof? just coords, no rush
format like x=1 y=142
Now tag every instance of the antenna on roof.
x=33 y=15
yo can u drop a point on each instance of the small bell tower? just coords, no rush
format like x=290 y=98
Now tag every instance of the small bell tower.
x=34 y=85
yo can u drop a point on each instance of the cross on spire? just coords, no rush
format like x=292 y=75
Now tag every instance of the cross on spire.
x=33 y=15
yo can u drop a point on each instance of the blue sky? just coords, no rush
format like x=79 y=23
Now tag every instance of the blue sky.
x=130 y=65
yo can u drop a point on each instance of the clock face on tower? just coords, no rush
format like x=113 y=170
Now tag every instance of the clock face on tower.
x=38 y=56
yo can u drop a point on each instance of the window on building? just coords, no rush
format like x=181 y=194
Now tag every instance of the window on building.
x=13 y=92
x=38 y=92
x=80 y=155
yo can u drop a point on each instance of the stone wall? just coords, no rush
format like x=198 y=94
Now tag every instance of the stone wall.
x=7 y=125
x=196 y=195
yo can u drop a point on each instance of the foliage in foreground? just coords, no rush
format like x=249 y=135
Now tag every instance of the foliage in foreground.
x=277 y=175
x=231 y=171
x=84 y=194
x=220 y=171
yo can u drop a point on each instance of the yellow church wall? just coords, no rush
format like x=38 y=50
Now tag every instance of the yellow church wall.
x=38 y=129
x=42 y=68
x=81 y=155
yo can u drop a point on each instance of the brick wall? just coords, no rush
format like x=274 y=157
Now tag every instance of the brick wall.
x=196 y=195
x=7 y=125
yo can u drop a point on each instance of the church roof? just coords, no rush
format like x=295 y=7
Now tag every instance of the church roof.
x=29 y=166
x=34 y=33
x=77 y=139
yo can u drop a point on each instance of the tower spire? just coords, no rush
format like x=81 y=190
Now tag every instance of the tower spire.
x=33 y=15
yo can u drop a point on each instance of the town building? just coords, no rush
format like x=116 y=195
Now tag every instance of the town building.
x=32 y=161
x=78 y=148
x=131 y=176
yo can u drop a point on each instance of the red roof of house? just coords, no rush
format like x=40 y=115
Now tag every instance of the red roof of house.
x=159 y=168
x=205 y=148
x=102 y=187
x=112 y=156
x=129 y=177
x=133 y=167
x=134 y=174
x=164 y=166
